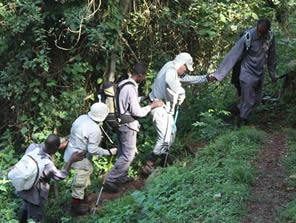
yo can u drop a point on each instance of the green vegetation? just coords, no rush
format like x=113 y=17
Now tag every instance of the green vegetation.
x=211 y=187
x=50 y=73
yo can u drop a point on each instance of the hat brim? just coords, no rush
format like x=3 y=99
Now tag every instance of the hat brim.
x=95 y=118
x=189 y=67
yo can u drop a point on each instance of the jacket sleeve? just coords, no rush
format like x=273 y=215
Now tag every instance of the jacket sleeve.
x=271 y=60
x=134 y=106
x=230 y=59
x=193 y=79
x=93 y=142
x=173 y=82
x=52 y=172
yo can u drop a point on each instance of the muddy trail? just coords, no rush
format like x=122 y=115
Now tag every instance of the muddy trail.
x=191 y=147
x=268 y=195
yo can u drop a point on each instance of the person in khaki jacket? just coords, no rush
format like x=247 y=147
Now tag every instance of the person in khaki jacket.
x=86 y=137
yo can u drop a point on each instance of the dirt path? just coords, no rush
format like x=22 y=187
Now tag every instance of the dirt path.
x=269 y=193
x=192 y=148
x=135 y=185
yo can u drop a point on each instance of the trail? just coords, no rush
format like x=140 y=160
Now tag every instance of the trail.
x=139 y=183
x=270 y=193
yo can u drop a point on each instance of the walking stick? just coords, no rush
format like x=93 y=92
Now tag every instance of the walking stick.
x=105 y=178
x=173 y=131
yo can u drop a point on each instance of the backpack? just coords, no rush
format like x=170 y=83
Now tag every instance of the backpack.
x=109 y=94
x=27 y=171
x=237 y=67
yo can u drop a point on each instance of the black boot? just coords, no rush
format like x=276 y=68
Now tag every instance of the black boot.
x=110 y=187
x=23 y=216
x=234 y=112
x=79 y=209
x=166 y=159
x=151 y=164
x=240 y=122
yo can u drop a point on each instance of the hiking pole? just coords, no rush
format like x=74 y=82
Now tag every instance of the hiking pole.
x=108 y=169
x=105 y=133
x=104 y=181
x=173 y=131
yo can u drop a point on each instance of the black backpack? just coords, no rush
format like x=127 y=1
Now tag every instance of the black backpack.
x=109 y=94
x=237 y=67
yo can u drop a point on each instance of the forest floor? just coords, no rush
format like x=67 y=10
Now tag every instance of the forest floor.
x=268 y=195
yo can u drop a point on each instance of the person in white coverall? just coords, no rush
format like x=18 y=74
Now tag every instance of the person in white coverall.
x=167 y=87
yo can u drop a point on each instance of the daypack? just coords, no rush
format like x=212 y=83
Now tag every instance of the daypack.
x=109 y=94
x=237 y=67
x=27 y=171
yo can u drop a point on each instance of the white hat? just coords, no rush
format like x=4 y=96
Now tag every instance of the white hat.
x=98 y=112
x=185 y=58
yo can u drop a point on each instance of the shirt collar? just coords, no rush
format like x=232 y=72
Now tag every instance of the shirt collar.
x=132 y=80
x=43 y=153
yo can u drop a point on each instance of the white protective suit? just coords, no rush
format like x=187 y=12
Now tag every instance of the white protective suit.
x=167 y=87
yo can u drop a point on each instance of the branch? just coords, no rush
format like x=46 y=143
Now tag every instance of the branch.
x=128 y=46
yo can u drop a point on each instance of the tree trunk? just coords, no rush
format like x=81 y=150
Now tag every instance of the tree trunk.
x=124 y=5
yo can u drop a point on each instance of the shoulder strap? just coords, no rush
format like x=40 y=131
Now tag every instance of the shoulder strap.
x=124 y=84
x=37 y=157
x=247 y=37
x=38 y=171
x=118 y=92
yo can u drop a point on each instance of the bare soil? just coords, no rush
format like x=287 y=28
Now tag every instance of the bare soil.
x=123 y=189
x=270 y=193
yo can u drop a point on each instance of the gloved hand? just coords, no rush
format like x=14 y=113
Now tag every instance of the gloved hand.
x=181 y=99
x=113 y=151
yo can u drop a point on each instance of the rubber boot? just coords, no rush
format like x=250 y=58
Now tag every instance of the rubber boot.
x=240 y=122
x=150 y=165
x=23 y=216
x=111 y=187
x=79 y=209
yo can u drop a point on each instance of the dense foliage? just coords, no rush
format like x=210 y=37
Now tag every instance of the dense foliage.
x=56 y=54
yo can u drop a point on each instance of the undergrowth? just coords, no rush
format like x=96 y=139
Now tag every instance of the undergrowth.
x=211 y=187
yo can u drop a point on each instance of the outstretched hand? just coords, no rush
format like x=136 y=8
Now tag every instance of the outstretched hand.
x=156 y=103
x=77 y=156
x=113 y=151
x=212 y=78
